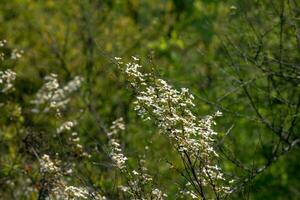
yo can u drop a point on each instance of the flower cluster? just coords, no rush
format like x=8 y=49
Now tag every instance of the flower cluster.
x=171 y=109
x=7 y=78
x=138 y=181
x=48 y=166
x=68 y=129
x=115 y=148
x=2 y=44
x=140 y=184
x=158 y=194
x=58 y=187
x=53 y=96
x=16 y=54
x=66 y=126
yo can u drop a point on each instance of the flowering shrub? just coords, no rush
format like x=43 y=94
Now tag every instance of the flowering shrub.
x=6 y=80
x=52 y=96
x=57 y=159
x=78 y=123
x=56 y=187
x=192 y=138
x=139 y=184
x=54 y=173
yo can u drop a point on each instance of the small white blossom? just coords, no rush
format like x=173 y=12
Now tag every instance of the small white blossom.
x=15 y=54
x=7 y=78
x=115 y=148
x=157 y=194
x=77 y=192
x=57 y=186
x=2 y=43
x=66 y=126
x=53 y=96
x=135 y=58
x=135 y=172
x=48 y=166
x=172 y=110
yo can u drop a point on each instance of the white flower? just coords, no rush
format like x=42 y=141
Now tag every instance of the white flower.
x=77 y=192
x=53 y=96
x=47 y=166
x=135 y=172
x=2 y=43
x=157 y=194
x=135 y=58
x=66 y=126
x=7 y=78
x=16 y=54
x=56 y=184
x=172 y=111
